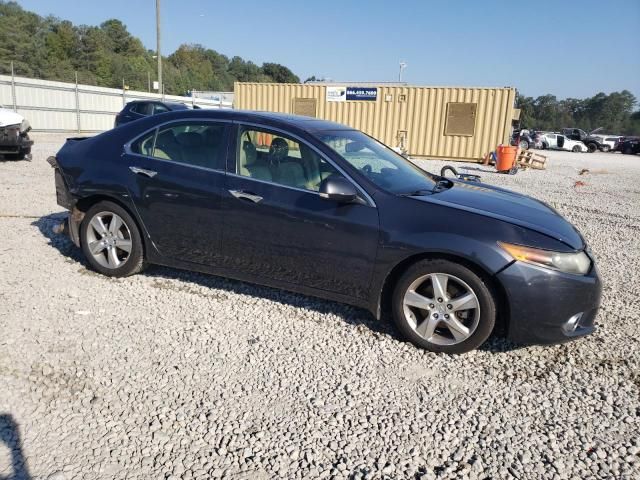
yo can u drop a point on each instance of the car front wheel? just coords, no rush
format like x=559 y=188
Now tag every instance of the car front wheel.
x=111 y=241
x=443 y=306
x=576 y=149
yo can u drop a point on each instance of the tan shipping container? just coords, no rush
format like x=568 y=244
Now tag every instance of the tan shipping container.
x=438 y=122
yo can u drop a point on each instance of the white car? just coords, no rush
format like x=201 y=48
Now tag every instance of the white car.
x=557 y=141
x=609 y=142
x=15 y=143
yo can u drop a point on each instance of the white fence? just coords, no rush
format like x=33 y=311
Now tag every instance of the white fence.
x=69 y=107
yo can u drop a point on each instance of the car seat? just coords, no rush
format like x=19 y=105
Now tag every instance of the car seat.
x=284 y=170
x=166 y=146
x=249 y=166
x=194 y=151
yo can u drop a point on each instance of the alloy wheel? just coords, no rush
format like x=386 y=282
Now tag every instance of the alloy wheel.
x=109 y=239
x=441 y=308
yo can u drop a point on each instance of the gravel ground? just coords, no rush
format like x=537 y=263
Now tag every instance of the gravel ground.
x=172 y=374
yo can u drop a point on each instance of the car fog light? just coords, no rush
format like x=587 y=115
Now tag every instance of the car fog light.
x=571 y=324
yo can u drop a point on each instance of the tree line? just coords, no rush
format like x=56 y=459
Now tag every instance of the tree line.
x=108 y=55
x=614 y=113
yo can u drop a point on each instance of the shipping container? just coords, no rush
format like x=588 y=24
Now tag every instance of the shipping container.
x=436 y=122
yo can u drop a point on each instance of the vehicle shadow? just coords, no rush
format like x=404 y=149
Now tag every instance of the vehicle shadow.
x=349 y=314
x=10 y=437
x=10 y=159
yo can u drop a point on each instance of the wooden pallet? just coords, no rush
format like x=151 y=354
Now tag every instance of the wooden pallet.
x=529 y=159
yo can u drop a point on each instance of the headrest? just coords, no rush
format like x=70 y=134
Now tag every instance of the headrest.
x=190 y=139
x=165 y=137
x=279 y=149
x=250 y=153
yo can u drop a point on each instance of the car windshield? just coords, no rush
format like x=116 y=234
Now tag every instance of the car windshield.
x=377 y=162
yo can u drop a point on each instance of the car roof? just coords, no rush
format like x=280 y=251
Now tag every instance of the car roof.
x=282 y=120
x=299 y=121
x=169 y=103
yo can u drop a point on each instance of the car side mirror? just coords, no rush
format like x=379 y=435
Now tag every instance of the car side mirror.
x=338 y=189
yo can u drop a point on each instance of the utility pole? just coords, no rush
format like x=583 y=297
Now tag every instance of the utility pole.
x=160 y=85
x=403 y=65
x=13 y=88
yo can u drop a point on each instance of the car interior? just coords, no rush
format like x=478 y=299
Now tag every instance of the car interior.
x=272 y=158
x=191 y=144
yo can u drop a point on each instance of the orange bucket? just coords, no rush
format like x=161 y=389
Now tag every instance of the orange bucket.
x=506 y=157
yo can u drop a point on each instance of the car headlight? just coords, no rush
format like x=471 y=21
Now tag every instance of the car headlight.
x=24 y=126
x=574 y=262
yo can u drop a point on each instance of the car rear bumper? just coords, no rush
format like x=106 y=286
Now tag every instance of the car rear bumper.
x=12 y=141
x=547 y=306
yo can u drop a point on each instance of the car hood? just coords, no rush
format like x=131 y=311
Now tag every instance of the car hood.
x=508 y=206
x=7 y=117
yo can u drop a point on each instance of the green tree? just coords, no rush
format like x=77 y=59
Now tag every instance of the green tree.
x=53 y=49
x=279 y=73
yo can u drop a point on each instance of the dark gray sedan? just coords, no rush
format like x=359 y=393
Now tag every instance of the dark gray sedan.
x=319 y=208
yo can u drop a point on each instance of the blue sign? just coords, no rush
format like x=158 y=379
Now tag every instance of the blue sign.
x=362 y=93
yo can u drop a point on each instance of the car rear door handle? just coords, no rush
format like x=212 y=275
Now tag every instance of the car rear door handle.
x=143 y=171
x=245 y=195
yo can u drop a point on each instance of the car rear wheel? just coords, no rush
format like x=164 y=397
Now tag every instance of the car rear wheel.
x=576 y=148
x=524 y=145
x=111 y=241
x=443 y=306
x=592 y=147
x=627 y=150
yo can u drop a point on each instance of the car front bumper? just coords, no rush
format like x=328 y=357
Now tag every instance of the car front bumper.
x=13 y=141
x=547 y=306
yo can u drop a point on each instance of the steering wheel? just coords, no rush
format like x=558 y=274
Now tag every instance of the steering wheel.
x=367 y=169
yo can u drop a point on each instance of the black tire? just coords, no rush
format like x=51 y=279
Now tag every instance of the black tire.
x=135 y=261
x=523 y=144
x=627 y=150
x=545 y=146
x=592 y=147
x=487 y=305
x=576 y=149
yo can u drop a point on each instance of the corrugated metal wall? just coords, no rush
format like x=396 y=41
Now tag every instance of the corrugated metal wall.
x=51 y=106
x=419 y=111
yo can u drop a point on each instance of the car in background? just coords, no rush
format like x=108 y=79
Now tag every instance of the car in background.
x=609 y=142
x=629 y=145
x=592 y=142
x=522 y=139
x=557 y=141
x=144 y=108
x=322 y=209
x=15 y=143
x=526 y=139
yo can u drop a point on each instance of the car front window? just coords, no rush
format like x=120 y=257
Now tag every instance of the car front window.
x=377 y=162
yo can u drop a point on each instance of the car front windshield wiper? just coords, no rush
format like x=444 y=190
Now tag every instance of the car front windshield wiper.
x=416 y=193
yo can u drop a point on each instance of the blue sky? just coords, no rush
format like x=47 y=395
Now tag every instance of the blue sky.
x=570 y=49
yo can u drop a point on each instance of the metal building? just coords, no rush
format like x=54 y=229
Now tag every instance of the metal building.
x=436 y=122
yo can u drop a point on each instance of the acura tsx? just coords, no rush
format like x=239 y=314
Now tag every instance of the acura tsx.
x=322 y=209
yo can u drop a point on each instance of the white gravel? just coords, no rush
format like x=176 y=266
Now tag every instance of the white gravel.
x=171 y=374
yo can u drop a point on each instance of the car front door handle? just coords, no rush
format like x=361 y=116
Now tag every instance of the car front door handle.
x=143 y=171
x=245 y=195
